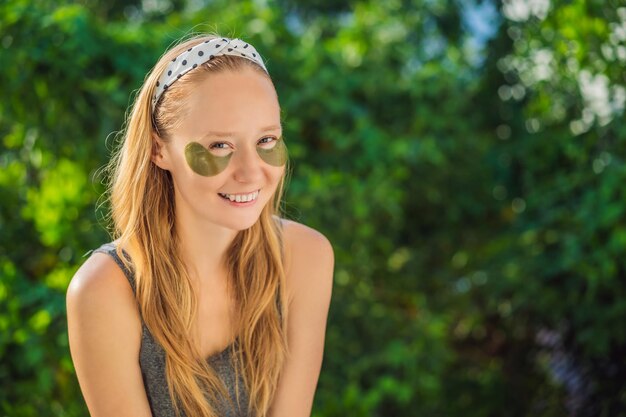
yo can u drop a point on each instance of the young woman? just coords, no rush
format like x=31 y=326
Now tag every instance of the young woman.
x=207 y=303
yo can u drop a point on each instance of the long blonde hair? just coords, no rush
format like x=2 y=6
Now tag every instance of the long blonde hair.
x=142 y=210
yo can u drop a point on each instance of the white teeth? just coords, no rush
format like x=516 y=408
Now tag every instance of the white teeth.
x=241 y=198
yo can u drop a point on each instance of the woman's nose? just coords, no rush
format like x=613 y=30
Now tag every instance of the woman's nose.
x=247 y=166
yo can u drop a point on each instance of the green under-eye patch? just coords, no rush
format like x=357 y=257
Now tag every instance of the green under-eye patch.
x=204 y=162
x=277 y=155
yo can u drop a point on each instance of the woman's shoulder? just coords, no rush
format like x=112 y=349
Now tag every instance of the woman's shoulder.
x=303 y=238
x=101 y=283
x=309 y=257
x=99 y=272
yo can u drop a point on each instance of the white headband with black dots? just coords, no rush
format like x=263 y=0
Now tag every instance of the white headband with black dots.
x=200 y=54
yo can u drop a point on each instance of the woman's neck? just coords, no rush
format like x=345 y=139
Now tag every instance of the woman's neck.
x=203 y=245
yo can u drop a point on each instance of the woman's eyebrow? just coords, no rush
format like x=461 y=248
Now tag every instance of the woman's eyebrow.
x=230 y=134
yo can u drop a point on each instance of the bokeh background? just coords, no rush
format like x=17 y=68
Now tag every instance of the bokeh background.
x=465 y=158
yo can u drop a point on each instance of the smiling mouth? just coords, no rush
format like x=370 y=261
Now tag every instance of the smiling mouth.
x=240 y=198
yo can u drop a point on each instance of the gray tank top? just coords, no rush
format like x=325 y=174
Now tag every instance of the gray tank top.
x=152 y=364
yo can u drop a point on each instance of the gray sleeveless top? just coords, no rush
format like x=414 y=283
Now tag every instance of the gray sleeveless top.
x=152 y=364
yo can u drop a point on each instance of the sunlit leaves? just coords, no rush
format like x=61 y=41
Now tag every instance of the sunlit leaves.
x=54 y=206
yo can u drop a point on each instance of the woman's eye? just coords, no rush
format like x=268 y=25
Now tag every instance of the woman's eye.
x=220 y=148
x=271 y=139
x=217 y=145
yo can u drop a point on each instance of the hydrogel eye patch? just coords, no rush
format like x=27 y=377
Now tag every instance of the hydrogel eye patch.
x=276 y=156
x=204 y=163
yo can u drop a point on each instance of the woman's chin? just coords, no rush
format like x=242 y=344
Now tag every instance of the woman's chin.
x=241 y=223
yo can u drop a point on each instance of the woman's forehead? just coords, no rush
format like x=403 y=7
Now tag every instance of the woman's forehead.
x=235 y=107
x=231 y=102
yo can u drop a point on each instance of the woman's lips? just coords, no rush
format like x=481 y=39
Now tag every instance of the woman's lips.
x=241 y=203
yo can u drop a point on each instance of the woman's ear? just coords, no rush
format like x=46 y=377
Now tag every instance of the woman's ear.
x=159 y=153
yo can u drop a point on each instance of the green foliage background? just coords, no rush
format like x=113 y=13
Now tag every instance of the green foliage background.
x=473 y=192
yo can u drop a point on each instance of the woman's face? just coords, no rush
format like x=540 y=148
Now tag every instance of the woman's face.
x=233 y=127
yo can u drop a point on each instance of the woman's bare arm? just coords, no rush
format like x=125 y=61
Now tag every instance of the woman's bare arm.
x=105 y=336
x=309 y=265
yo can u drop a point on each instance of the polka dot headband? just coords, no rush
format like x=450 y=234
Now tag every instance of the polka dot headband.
x=200 y=54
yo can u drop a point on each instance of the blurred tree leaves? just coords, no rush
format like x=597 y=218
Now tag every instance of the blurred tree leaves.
x=474 y=206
